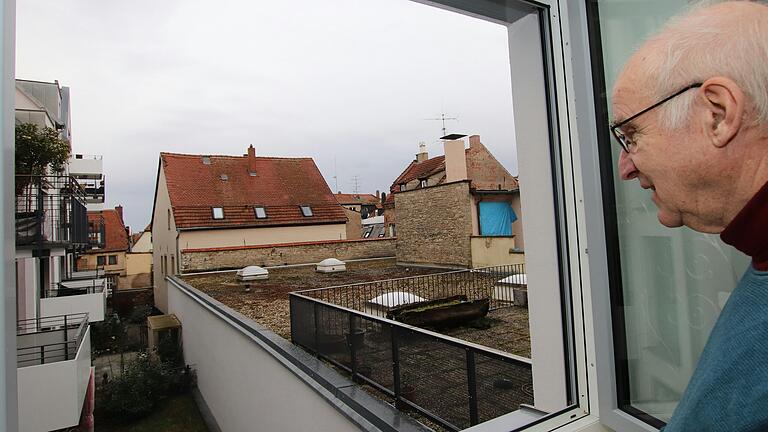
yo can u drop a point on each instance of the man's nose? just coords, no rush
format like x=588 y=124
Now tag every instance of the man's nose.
x=627 y=168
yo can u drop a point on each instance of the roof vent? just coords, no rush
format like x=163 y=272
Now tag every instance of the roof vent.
x=206 y=160
x=224 y=177
x=331 y=265
x=395 y=298
x=252 y=273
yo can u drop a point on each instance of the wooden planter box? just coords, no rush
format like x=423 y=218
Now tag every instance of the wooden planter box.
x=448 y=312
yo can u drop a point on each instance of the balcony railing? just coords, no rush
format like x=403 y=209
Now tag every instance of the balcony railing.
x=493 y=283
x=50 y=210
x=49 y=339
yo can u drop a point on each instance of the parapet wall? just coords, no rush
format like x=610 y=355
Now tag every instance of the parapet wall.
x=209 y=259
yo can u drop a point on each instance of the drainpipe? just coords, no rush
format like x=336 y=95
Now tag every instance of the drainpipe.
x=178 y=252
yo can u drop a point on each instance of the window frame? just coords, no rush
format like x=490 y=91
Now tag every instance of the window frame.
x=101 y=260
x=306 y=211
x=213 y=213
x=111 y=258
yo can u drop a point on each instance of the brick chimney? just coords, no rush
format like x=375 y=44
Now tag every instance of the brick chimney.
x=474 y=141
x=251 y=159
x=422 y=155
x=119 y=210
x=455 y=161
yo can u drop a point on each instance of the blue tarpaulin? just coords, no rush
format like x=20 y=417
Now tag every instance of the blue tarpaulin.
x=496 y=218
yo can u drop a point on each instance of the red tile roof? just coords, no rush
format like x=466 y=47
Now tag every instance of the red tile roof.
x=356 y=198
x=420 y=170
x=281 y=185
x=116 y=238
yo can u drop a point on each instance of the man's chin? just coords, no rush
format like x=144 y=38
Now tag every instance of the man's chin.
x=670 y=220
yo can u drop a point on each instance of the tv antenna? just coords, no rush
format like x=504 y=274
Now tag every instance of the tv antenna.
x=443 y=118
x=356 y=184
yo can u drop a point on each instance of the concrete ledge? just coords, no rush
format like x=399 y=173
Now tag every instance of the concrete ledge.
x=365 y=411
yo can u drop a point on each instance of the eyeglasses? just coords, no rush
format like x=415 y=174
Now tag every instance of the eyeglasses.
x=621 y=137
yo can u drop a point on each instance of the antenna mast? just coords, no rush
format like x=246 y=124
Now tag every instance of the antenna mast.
x=443 y=118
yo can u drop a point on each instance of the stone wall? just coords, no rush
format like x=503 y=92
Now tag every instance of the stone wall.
x=434 y=225
x=195 y=260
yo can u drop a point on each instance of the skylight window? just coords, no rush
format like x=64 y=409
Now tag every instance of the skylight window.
x=261 y=212
x=206 y=160
x=306 y=211
x=224 y=177
x=218 y=213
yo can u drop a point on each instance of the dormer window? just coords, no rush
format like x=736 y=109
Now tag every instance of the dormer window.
x=206 y=160
x=261 y=212
x=306 y=211
x=218 y=213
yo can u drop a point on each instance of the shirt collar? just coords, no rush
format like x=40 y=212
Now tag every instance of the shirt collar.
x=748 y=231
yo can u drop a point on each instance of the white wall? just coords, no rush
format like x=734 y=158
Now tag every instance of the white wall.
x=261 y=236
x=51 y=396
x=245 y=387
x=26 y=287
x=93 y=304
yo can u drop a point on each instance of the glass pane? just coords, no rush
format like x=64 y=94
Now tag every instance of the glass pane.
x=674 y=281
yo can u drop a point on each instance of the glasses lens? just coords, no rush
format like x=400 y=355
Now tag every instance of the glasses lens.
x=620 y=138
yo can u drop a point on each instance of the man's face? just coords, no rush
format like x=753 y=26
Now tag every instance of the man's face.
x=665 y=162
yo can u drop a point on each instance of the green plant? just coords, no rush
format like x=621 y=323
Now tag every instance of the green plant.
x=108 y=336
x=142 y=385
x=37 y=150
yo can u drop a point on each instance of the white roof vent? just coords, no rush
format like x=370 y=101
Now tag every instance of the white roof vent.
x=331 y=265
x=252 y=273
x=396 y=298
x=515 y=279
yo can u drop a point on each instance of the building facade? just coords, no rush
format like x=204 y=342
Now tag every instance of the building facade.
x=204 y=201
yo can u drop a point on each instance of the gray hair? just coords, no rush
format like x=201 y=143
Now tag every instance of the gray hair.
x=697 y=46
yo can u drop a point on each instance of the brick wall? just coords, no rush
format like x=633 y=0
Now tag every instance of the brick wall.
x=193 y=260
x=486 y=172
x=434 y=225
x=354 y=224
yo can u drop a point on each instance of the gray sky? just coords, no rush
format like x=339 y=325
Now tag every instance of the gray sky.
x=349 y=81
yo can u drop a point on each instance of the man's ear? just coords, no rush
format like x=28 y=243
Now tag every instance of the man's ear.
x=724 y=106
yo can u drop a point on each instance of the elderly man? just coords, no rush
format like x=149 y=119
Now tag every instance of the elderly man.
x=691 y=115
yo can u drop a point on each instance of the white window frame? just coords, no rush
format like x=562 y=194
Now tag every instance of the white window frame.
x=306 y=211
x=217 y=215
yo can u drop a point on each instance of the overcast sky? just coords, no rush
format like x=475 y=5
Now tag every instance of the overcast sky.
x=346 y=82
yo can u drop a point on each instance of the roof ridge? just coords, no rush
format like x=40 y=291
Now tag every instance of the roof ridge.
x=189 y=155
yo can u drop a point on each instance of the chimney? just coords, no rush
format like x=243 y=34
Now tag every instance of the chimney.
x=422 y=155
x=119 y=210
x=251 y=160
x=474 y=141
x=455 y=161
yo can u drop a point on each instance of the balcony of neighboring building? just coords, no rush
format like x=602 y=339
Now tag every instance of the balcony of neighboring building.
x=50 y=212
x=53 y=371
x=73 y=296
x=83 y=166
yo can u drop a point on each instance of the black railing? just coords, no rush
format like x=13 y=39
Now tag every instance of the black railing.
x=452 y=382
x=50 y=210
x=97 y=232
x=494 y=283
x=76 y=287
x=49 y=339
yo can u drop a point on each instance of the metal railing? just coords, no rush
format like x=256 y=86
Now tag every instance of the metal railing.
x=50 y=209
x=49 y=339
x=452 y=382
x=493 y=283
x=76 y=287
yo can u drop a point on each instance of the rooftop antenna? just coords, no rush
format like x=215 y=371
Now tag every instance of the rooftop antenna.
x=335 y=174
x=443 y=118
x=356 y=184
